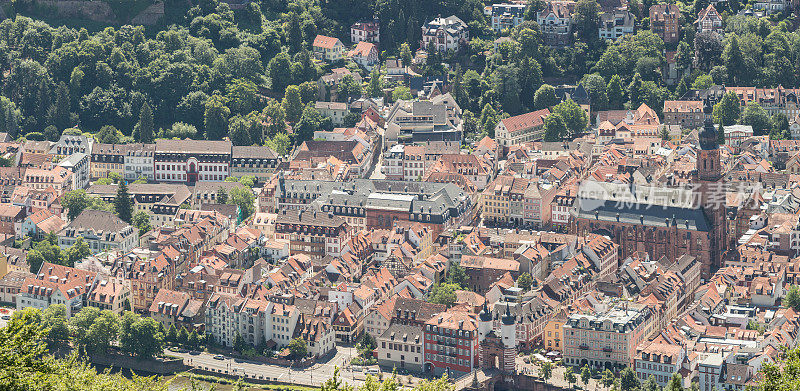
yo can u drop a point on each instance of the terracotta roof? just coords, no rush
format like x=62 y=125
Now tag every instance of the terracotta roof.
x=526 y=121
x=325 y=42
x=363 y=49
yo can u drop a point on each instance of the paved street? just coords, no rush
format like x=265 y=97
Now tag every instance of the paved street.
x=313 y=376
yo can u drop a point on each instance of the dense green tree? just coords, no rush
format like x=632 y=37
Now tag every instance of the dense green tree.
x=216 y=117
x=141 y=220
x=615 y=93
x=123 y=206
x=596 y=86
x=574 y=117
x=244 y=199
x=506 y=86
x=78 y=251
x=292 y=104
x=108 y=135
x=401 y=92
x=241 y=95
x=172 y=334
x=44 y=251
x=792 y=299
x=554 y=128
x=444 y=293
x=375 y=85
x=525 y=281
x=530 y=79
x=727 y=110
x=298 y=348
x=309 y=122
x=586 y=374
x=628 y=380
x=75 y=202
x=734 y=61
x=183 y=336
x=457 y=275
x=755 y=116
x=239 y=131
x=144 y=130
x=708 y=49
x=193 y=342
x=274 y=117
x=61 y=117
x=635 y=91
x=54 y=320
x=545 y=97
x=587 y=20
x=684 y=56
x=702 y=82
x=405 y=54
x=280 y=143
x=546 y=370
x=280 y=71
x=348 y=89
x=607 y=378
x=140 y=336
x=569 y=376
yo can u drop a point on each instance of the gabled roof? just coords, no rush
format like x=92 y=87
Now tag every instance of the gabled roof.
x=326 y=42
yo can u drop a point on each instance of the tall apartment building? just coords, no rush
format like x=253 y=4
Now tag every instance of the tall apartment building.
x=665 y=22
x=311 y=232
x=507 y=15
x=607 y=339
x=451 y=343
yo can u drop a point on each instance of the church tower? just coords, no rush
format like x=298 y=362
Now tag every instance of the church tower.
x=708 y=160
x=712 y=191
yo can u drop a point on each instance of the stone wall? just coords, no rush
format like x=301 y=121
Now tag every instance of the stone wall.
x=153 y=366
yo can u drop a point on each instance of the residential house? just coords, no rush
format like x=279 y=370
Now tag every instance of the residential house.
x=708 y=20
x=616 y=25
x=555 y=20
x=329 y=49
x=688 y=114
x=138 y=162
x=11 y=219
x=445 y=34
x=606 y=339
x=192 y=161
x=336 y=111
x=56 y=284
x=111 y=294
x=68 y=144
x=401 y=347
x=665 y=21
x=507 y=15
x=177 y=308
x=366 y=31
x=101 y=231
x=107 y=159
x=78 y=164
x=40 y=224
x=11 y=284
x=365 y=54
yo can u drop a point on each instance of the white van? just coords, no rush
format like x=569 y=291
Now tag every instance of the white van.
x=372 y=371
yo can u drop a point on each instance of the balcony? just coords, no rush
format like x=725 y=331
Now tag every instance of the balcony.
x=583 y=347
